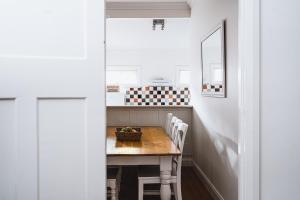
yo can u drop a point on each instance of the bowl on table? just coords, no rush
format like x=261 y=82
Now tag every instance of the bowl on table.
x=128 y=134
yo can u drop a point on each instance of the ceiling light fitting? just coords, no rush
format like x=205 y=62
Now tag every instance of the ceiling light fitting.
x=160 y=22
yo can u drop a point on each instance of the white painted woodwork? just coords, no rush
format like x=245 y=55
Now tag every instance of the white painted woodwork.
x=249 y=100
x=7 y=149
x=144 y=117
x=62 y=146
x=117 y=117
x=151 y=116
x=165 y=163
x=52 y=119
x=113 y=182
x=38 y=28
x=133 y=160
x=165 y=177
x=280 y=108
x=207 y=182
x=168 y=123
x=147 y=9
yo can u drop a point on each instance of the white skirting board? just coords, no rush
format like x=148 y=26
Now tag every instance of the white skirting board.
x=208 y=184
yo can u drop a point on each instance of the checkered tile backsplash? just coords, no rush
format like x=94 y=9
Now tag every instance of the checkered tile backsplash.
x=212 y=88
x=157 y=96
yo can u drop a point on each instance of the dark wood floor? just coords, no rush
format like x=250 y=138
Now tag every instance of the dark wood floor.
x=192 y=187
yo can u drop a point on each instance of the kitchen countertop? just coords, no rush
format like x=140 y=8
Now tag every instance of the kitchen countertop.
x=124 y=106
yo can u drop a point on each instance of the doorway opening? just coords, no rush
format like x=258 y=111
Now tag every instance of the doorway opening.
x=153 y=51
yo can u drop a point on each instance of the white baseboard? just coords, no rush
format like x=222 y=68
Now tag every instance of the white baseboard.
x=208 y=184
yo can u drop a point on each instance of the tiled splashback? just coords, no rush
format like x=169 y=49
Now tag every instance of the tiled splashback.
x=157 y=96
x=212 y=88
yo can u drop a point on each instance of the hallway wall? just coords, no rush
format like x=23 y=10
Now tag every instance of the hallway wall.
x=280 y=104
x=215 y=120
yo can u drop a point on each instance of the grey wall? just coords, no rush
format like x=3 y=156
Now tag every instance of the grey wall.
x=280 y=99
x=215 y=120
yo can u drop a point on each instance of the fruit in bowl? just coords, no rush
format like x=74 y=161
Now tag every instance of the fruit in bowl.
x=128 y=130
x=128 y=133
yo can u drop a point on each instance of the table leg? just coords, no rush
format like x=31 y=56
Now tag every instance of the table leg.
x=165 y=177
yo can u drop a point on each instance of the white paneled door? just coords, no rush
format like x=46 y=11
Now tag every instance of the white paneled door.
x=52 y=105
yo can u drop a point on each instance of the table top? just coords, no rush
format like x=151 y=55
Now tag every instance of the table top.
x=154 y=142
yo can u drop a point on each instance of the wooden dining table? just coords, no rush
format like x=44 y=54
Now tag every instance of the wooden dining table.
x=155 y=148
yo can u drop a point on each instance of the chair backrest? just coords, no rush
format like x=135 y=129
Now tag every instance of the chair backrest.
x=181 y=134
x=179 y=142
x=174 y=129
x=172 y=124
x=168 y=123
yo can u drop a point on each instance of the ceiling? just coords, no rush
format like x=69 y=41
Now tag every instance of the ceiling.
x=138 y=34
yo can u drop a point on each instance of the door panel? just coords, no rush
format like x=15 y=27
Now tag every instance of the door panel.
x=43 y=26
x=62 y=149
x=7 y=149
x=52 y=119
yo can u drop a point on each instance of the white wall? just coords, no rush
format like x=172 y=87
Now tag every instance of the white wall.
x=280 y=100
x=215 y=120
x=132 y=42
x=152 y=63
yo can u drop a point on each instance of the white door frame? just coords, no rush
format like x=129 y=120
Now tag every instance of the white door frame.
x=249 y=99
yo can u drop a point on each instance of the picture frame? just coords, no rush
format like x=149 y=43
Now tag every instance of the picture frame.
x=213 y=62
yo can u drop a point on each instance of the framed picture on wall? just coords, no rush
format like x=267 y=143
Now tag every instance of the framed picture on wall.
x=213 y=62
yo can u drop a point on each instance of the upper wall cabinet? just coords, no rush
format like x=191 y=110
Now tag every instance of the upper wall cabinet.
x=213 y=62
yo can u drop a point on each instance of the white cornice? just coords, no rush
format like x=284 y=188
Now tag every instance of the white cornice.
x=147 y=9
x=190 y=2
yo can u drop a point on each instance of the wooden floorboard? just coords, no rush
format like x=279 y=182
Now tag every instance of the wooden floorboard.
x=192 y=187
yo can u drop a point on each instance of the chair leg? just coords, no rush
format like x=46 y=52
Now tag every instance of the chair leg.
x=175 y=190
x=141 y=190
x=178 y=191
x=119 y=178
x=118 y=184
x=117 y=193
x=113 y=192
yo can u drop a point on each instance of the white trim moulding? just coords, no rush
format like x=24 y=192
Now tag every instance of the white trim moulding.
x=249 y=99
x=208 y=184
x=147 y=10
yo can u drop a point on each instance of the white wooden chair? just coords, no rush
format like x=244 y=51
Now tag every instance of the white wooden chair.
x=174 y=129
x=113 y=182
x=151 y=174
x=172 y=124
x=168 y=123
